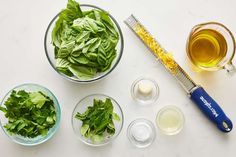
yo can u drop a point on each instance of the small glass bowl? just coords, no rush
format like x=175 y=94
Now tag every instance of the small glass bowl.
x=141 y=133
x=82 y=106
x=39 y=139
x=49 y=48
x=170 y=120
x=145 y=97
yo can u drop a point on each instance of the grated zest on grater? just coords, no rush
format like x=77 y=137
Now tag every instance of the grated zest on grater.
x=185 y=81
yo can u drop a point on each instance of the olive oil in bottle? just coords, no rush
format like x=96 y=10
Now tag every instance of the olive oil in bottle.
x=207 y=48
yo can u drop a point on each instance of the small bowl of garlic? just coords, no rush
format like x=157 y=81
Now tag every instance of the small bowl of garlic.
x=145 y=91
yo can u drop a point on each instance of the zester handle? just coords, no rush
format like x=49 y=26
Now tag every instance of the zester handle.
x=211 y=109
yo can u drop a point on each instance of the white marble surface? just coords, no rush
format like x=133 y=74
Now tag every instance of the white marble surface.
x=22 y=59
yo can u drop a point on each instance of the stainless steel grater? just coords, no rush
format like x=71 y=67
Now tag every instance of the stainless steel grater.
x=197 y=94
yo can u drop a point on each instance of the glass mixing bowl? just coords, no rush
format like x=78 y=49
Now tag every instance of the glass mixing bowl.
x=49 y=48
x=82 y=106
x=39 y=139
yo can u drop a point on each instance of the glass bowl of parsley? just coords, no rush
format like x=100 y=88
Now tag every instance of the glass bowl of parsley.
x=30 y=114
x=83 y=43
x=97 y=120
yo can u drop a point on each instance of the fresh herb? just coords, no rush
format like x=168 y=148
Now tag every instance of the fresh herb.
x=29 y=114
x=98 y=120
x=84 y=42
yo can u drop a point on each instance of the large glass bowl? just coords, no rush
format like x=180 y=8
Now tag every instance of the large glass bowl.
x=82 y=106
x=39 y=139
x=49 y=48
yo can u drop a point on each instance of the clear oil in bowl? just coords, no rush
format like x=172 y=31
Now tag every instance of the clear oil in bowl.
x=207 y=48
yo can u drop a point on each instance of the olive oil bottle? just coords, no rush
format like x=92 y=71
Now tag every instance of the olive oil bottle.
x=207 y=48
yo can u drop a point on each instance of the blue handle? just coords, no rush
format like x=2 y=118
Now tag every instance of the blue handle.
x=211 y=109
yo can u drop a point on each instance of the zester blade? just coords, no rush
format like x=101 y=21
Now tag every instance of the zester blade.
x=185 y=81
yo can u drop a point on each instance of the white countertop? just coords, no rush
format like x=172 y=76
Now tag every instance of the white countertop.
x=22 y=27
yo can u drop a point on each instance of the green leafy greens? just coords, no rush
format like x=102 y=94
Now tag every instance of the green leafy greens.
x=84 y=42
x=98 y=120
x=29 y=114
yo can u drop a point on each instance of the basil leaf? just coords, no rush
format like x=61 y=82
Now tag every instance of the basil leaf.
x=82 y=72
x=97 y=120
x=105 y=17
x=81 y=59
x=86 y=41
x=72 y=11
x=83 y=36
x=101 y=56
x=56 y=33
x=84 y=129
x=86 y=24
x=62 y=63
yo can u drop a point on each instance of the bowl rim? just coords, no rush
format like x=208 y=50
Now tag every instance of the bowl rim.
x=114 y=136
x=93 y=79
x=55 y=127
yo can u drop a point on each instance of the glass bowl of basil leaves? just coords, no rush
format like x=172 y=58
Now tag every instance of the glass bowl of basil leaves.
x=83 y=43
x=30 y=114
x=97 y=120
